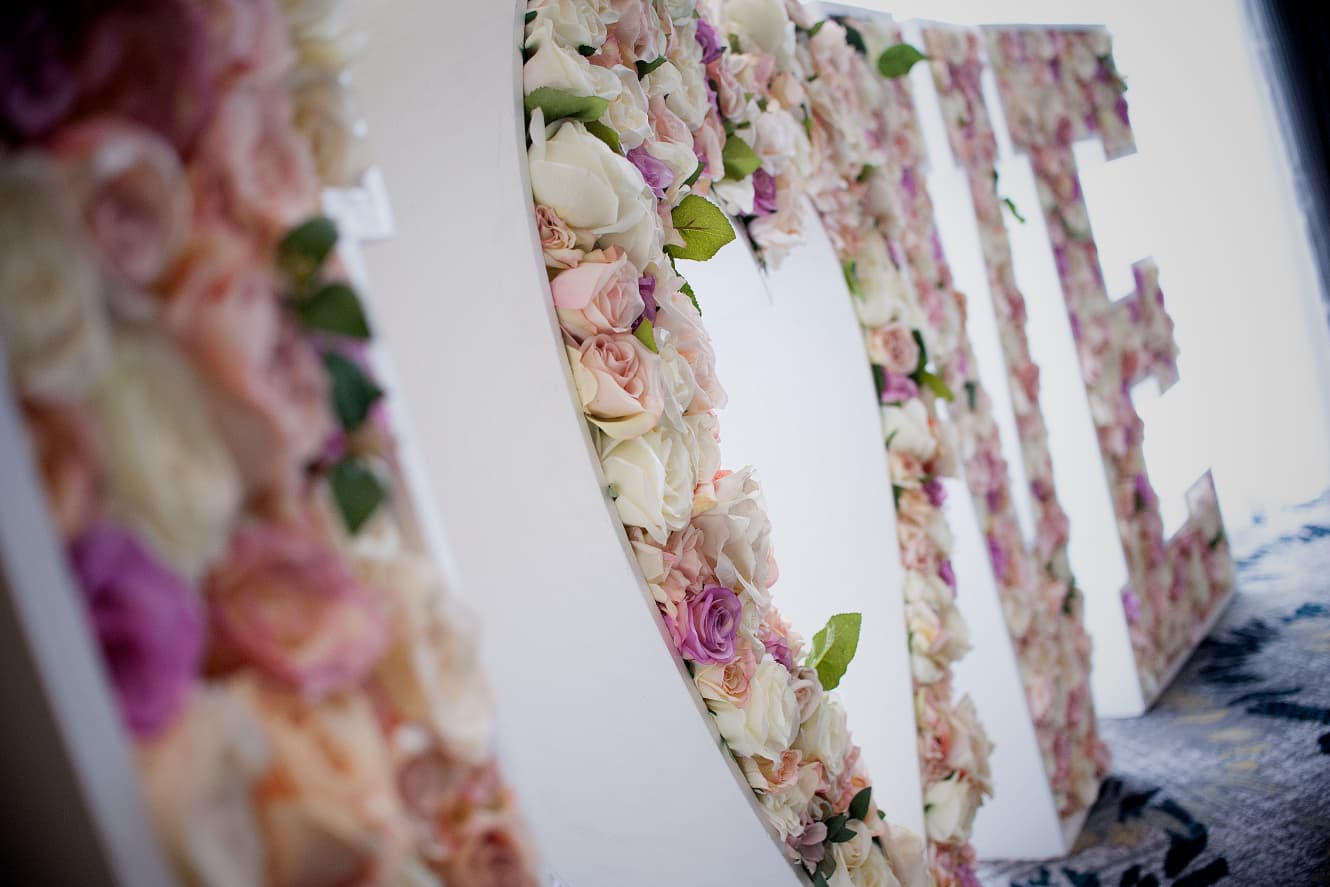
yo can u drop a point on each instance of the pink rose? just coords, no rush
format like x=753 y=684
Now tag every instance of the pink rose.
x=442 y=794
x=618 y=380
x=680 y=318
x=598 y=296
x=709 y=146
x=270 y=387
x=557 y=240
x=493 y=853
x=729 y=92
x=893 y=347
x=132 y=194
x=728 y=682
x=289 y=605
x=64 y=442
x=252 y=164
x=246 y=38
x=637 y=32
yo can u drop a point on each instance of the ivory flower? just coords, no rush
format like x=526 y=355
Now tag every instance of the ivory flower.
x=766 y=726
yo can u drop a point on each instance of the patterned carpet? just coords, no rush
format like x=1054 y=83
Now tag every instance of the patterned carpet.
x=1227 y=780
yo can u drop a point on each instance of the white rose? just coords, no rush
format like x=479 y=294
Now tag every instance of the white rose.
x=908 y=856
x=199 y=780
x=705 y=428
x=676 y=379
x=825 y=736
x=169 y=475
x=778 y=140
x=653 y=479
x=736 y=198
x=736 y=535
x=884 y=294
x=678 y=11
x=970 y=748
x=785 y=808
x=324 y=114
x=681 y=319
x=762 y=25
x=874 y=871
x=51 y=313
x=594 y=190
x=628 y=110
x=905 y=428
x=574 y=23
x=692 y=100
x=949 y=808
x=766 y=726
x=556 y=66
x=855 y=852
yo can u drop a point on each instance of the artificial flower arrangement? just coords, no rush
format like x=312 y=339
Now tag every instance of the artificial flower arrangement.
x=1043 y=606
x=868 y=187
x=202 y=408
x=625 y=138
x=1058 y=86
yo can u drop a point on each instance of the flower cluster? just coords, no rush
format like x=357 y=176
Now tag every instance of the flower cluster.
x=869 y=188
x=624 y=138
x=197 y=389
x=1042 y=604
x=1058 y=86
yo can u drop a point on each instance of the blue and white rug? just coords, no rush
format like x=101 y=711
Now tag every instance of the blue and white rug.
x=1227 y=780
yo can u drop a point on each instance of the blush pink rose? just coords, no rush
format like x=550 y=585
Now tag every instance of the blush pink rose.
x=600 y=295
x=557 y=240
x=246 y=38
x=252 y=165
x=638 y=31
x=269 y=386
x=709 y=146
x=492 y=852
x=893 y=347
x=618 y=380
x=64 y=441
x=131 y=192
x=729 y=92
x=680 y=318
x=288 y=605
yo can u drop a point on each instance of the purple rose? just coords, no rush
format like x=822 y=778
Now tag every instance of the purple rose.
x=147 y=621
x=1131 y=604
x=657 y=173
x=898 y=388
x=779 y=648
x=998 y=557
x=709 y=623
x=709 y=40
x=809 y=846
x=764 y=193
x=646 y=286
x=936 y=492
x=1143 y=492
x=947 y=574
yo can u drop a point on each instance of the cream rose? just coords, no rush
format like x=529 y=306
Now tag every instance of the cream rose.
x=766 y=726
x=682 y=321
x=618 y=381
x=884 y=295
x=908 y=856
x=169 y=475
x=737 y=535
x=600 y=295
x=949 y=808
x=677 y=382
x=873 y=871
x=652 y=480
x=200 y=779
x=678 y=11
x=597 y=192
x=705 y=431
x=559 y=66
x=970 y=747
x=825 y=736
x=762 y=25
x=784 y=805
x=51 y=314
x=905 y=427
x=326 y=117
x=574 y=23
x=627 y=113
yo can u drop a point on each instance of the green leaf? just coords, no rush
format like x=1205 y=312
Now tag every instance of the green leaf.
x=357 y=491
x=606 y=134
x=646 y=334
x=879 y=380
x=896 y=489
x=850 y=269
x=854 y=38
x=703 y=226
x=1011 y=208
x=560 y=103
x=697 y=174
x=529 y=17
x=586 y=51
x=734 y=44
x=860 y=804
x=935 y=384
x=687 y=290
x=741 y=161
x=817 y=26
x=840 y=837
x=819 y=880
x=827 y=867
x=645 y=68
x=972 y=395
x=304 y=249
x=881 y=814
x=923 y=352
x=350 y=390
x=833 y=647
x=864 y=173
x=896 y=61
x=334 y=308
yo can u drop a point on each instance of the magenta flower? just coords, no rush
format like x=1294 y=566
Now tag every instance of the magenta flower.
x=898 y=388
x=947 y=573
x=937 y=493
x=709 y=624
x=764 y=193
x=657 y=173
x=646 y=287
x=147 y=622
x=709 y=40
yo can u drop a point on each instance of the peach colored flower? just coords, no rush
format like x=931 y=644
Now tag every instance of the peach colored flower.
x=892 y=346
x=494 y=852
x=618 y=381
x=557 y=240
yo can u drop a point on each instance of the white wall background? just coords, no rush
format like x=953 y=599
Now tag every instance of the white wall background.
x=1209 y=196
